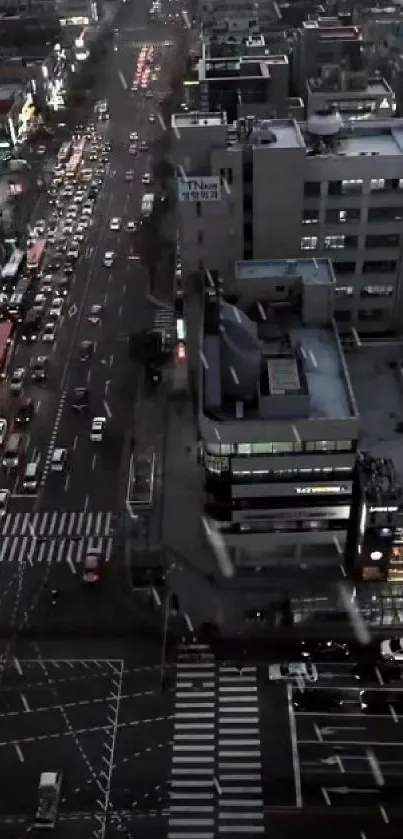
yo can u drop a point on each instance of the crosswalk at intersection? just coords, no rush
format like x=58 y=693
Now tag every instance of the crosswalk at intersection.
x=216 y=774
x=55 y=537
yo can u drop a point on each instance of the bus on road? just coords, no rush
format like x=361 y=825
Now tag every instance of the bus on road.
x=11 y=270
x=79 y=146
x=64 y=152
x=36 y=254
x=147 y=204
x=7 y=329
x=73 y=164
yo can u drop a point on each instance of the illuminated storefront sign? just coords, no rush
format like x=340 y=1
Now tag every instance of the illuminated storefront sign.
x=383 y=509
x=324 y=490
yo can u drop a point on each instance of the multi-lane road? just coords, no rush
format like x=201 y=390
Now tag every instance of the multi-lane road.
x=92 y=487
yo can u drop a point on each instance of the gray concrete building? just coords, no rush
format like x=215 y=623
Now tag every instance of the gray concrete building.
x=238 y=84
x=278 y=420
x=262 y=189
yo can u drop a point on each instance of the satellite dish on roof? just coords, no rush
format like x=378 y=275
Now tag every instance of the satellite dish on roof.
x=326 y=123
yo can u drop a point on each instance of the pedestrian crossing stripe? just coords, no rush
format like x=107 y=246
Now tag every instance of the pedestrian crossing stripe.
x=164 y=319
x=216 y=774
x=57 y=524
x=20 y=549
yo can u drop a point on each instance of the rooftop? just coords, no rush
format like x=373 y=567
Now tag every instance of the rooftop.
x=262 y=359
x=351 y=85
x=311 y=271
x=194 y=119
x=376 y=376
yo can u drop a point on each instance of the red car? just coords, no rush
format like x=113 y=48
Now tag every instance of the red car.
x=92 y=569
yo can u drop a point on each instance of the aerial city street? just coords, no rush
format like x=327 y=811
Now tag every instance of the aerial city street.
x=200 y=506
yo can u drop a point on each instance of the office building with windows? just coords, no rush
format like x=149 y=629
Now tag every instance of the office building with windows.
x=325 y=188
x=278 y=421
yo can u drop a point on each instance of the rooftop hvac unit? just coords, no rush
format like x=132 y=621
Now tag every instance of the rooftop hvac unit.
x=325 y=123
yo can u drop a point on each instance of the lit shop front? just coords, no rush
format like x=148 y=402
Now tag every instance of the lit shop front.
x=376 y=550
x=21 y=119
x=54 y=78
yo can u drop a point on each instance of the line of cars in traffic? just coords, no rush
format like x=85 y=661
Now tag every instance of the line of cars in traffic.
x=378 y=668
x=72 y=196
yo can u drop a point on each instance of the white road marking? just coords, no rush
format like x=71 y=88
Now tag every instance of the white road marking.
x=294 y=749
x=71 y=565
x=25 y=702
x=19 y=752
x=122 y=80
x=17 y=666
x=66 y=483
x=107 y=409
x=94 y=462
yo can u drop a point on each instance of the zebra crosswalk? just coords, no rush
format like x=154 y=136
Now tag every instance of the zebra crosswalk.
x=55 y=537
x=57 y=524
x=164 y=319
x=216 y=774
x=57 y=549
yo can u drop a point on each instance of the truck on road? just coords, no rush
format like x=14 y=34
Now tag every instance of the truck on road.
x=49 y=788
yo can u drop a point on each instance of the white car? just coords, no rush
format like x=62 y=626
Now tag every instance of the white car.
x=73 y=252
x=301 y=671
x=109 y=256
x=115 y=224
x=97 y=429
x=17 y=381
x=68 y=229
x=4 y=499
x=78 y=198
x=146 y=179
x=151 y=119
x=49 y=333
x=3 y=430
x=40 y=226
x=133 y=149
x=392 y=648
x=133 y=136
x=86 y=211
x=55 y=311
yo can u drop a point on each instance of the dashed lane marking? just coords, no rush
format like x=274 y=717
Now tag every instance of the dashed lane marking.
x=79 y=704
x=92 y=730
x=52 y=442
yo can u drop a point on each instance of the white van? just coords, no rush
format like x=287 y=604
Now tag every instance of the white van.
x=59 y=460
x=30 y=480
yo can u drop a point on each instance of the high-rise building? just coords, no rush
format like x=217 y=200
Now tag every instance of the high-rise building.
x=268 y=189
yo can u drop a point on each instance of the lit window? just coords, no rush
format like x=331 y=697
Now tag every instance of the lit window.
x=310 y=217
x=351 y=185
x=377 y=291
x=377 y=184
x=309 y=243
x=344 y=291
x=334 y=242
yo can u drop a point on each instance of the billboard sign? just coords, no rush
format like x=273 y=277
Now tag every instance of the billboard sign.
x=199 y=189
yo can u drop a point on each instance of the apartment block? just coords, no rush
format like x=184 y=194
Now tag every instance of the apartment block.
x=356 y=96
x=322 y=42
x=325 y=188
x=278 y=421
x=238 y=84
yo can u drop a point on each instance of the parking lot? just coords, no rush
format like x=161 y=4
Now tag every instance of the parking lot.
x=104 y=725
x=339 y=759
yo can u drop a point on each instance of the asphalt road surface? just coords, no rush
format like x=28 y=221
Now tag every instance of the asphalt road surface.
x=85 y=499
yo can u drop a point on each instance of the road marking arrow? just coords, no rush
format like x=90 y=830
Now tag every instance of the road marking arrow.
x=73 y=310
x=331 y=761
